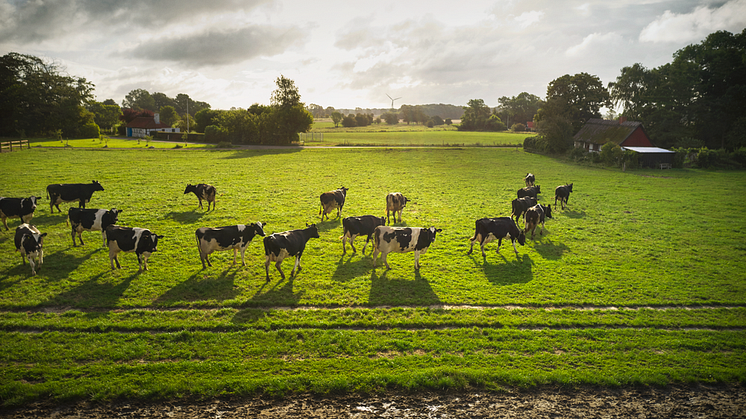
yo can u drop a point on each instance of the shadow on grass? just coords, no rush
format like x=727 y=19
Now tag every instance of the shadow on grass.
x=186 y=217
x=261 y=151
x=329 y=224
x=505 y=270
x=62 y=263
x=550 y=250
x=573 y=214
x=352 y=265
x=281 y=293
x=94 y=293
x=384 y=291
x=201 y=287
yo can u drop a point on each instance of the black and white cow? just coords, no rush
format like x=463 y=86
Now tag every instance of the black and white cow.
x=71 y=192
x=488 y=229
x=395 y=202
x=359 y=226
x=29 y=242
x=332 y=200
x=82 y=219
x=529 y=179
x=203 y=191
x=278 y=246
x=224 y=238
x=125 y=239
x=536 y=215
x=562 y=193
x=521 y=205
x=402 y=240
x=22 y=208
x=531 y=191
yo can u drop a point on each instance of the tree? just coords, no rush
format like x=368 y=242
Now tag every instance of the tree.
x=337 y=117
x=475 y=116
x=290 y=114
x=105 y=116
x=37 y=99
x=577 y=98
x=160 y=100
x=518 y=109
x=168 y=115
x=204 y=118
x=349 y=121
x=139 y=99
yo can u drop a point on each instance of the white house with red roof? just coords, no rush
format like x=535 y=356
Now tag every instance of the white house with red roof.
x=143 y=126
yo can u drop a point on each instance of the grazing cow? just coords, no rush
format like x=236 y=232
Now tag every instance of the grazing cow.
x=531 y=191
x=29 y=242
x=563 y=193
x=331 y=200
x=521 y=205
x=529 y=179
x=22 y=208
x=278 y=246
x=395 y=201
x=82 y=219
x=224 y=238
x=203 y=191
x=125 y=239
x=488 y=229
x=359 y=226
x=402 y=240
x=536 y=215
x=71 y=192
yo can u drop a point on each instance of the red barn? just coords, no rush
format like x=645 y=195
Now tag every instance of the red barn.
x=597 y=132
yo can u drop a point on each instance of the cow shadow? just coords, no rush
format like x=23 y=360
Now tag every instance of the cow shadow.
x=505 y=270
x=259 y=151
x=329 y=224
x=352 y=265
x=572 y=214
x=201 y=287
x=549 y=249
x=62 y=263
x=94 y=293
x=280 y=293
x=398 y=291
x=186 y=217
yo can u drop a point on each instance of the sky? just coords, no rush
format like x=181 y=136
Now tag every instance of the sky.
x=349 y=54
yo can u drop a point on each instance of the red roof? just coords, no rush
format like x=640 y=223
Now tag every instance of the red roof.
x=146 y=122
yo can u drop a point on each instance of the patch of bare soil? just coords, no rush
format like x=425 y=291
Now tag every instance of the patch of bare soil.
x=699 y=401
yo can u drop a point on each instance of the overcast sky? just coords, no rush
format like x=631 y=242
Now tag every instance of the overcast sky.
x=349 y=53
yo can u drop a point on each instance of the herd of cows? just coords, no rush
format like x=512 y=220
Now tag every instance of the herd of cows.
x=278 y=246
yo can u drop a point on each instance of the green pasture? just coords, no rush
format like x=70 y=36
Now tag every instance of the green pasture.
x=116 y=142
x=641 y=280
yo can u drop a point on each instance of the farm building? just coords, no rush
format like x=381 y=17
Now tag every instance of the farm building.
x=626 y=134
x=143 y=126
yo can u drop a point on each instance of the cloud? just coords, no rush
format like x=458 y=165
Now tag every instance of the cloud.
x=696 y=25
x=528 y=18
x=595 y=44
x=216 y=47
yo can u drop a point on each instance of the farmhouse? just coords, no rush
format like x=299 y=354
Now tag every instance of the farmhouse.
x=143 y=126
x=628 y=135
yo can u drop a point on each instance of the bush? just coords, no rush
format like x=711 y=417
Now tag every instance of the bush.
x=224 y=144
x=90 y=130
x=611 y=154
x=349 y=121
x=578 y=154
x=215 y=134
x=430 y=123
x=739 y=156
x=518 y=127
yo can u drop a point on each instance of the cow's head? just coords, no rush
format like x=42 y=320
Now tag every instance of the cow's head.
x=537 y=188
x=433 y=232
x=259 y=228
x=569 y=187
x=29 y=204
x=521 y=239
x=383 y=221
x=152 y=244
x=32 y=242
x=344 y=190
x=97 y=186
x=190 y=188
x=314 y=230
x=547 y=210
x=114 y=214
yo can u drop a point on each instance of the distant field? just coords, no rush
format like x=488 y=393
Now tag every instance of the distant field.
x=111 y=143
x=641 y=281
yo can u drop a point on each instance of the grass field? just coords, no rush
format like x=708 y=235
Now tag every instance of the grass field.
x=641 y=280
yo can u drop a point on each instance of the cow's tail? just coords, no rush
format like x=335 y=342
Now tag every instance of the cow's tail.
x=377 y=237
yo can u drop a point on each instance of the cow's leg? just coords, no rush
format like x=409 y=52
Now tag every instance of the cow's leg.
x=31 y=262
x=266 y=267
x=499 y=243
x=388 y=221
x=142 y=260
x=374 y=255
x=81 y=203
x=202 y=258
x=58 y=207
x=516 y=250
x=243 y=260
x=23 y=258
x=234 y=253
x=367 y=240
x=297 y=267
x=400 y=211
x=385 y=262
x=103 y=236
x=73 y=236
x=5 y=222
x=113 y=258
x=352 y=243
x=416 y=260
x=277 y=265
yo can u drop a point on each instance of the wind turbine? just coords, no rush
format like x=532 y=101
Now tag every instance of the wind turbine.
x=392 y=100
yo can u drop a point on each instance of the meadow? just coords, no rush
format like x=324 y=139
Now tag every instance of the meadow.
x=640 y=281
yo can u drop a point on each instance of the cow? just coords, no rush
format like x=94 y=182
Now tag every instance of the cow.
x=82 y=219
x=125 y=239
x=536 y=215
x=224 y=238
x=278 y=246
x=203 y=191
x=22 y=208
x=395 y=201
x=488 y=229
x=29 y=242
x=531 y=191
x=529 y=179
x=521 y=205
x=562 y=193
x=331 y=200
x=71 y=192
x=402 y=240
x=359 y=226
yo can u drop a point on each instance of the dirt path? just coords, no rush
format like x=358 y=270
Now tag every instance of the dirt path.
x=697 y=401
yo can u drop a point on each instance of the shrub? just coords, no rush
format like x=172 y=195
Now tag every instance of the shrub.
x=739 y=156
x=437 y=120
x=224 y=144
x=349 y=121
x=518 y=127
x=90 y=130
x=215 y=134
x=449 y=121
x=430 y=123
x=611 y=154
x=578 y=154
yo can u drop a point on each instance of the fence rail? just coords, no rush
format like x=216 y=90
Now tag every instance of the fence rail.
x=8 y=146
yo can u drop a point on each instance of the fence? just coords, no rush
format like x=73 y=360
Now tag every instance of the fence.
x=9 y=145
x=310 y=137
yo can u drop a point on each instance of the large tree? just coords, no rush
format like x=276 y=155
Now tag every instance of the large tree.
x=168 y=115
x=475 y=117
x=291 y=116
x=36 y=98
x=518 y=109
x=139 y=99
x=577 y=98
x=105 y=115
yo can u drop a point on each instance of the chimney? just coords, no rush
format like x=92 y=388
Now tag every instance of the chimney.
x=622 y=119
x=157 y=118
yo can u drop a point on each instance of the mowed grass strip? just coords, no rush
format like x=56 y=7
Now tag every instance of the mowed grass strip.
x=102 y=366
x=232 y=319
x=636 y=238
